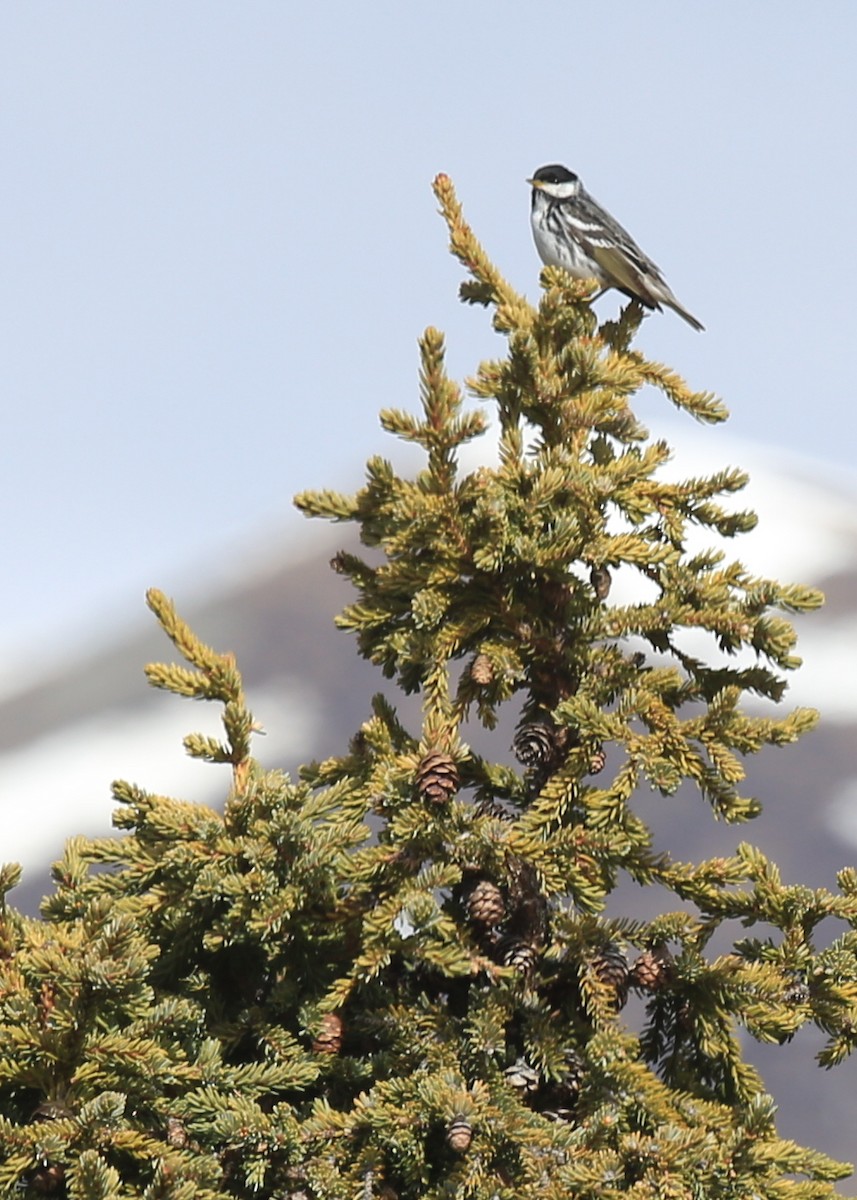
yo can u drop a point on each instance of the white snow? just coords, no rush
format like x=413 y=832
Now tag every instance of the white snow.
x=60 y=783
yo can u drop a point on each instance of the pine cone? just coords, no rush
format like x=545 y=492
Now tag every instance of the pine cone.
x=599 y=577
x=485 y=904
x=520 y=955
x=437 y=777
x=559 y=1098
x=329 y=1038
x=535 y=744
x=522 y=1077
x=796 y=993
x=490 y=806
x=611 y=967
x=575 y=1069
x=597 y=761
x=176 y=1134
x=48 y=1178
x=481 y=670
x=653 y=970
x=459 y=1134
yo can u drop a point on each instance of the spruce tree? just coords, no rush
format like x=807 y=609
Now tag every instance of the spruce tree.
x=401 y=976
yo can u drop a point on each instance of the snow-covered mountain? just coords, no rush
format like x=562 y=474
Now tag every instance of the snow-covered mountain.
x=90 y=718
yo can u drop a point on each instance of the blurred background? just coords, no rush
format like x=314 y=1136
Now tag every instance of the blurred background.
x=219 y=247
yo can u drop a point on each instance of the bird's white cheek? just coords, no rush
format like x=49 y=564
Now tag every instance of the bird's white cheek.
x=563 y=191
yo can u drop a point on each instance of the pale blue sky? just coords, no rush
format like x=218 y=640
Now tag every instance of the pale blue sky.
x=219 y=243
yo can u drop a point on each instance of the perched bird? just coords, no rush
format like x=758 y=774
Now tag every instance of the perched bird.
x=573 y=231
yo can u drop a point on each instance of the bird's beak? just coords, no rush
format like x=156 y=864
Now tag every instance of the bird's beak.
x=534 y=183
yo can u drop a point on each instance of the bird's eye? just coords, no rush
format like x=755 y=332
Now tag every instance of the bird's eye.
x=559 y=175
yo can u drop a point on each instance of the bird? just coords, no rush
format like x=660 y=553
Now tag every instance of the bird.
x=572 y=230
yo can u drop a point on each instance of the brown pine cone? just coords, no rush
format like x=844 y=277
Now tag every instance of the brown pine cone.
x=611 y=967
x=597 y=761
x=599 y=577
x=176 y=1134
x=481 y=670
x=489 y=806
x=437 y=777
x=522 y=1077
x=521 y=955
x=328 y=1040
x=485 y=904
x=459 y=1134
x=574 y=1072
x=559 y=1098
x=535 y=744
x=653 y=970
x=48 y=1178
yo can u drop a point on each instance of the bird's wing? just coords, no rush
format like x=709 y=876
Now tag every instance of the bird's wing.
x=628 y=276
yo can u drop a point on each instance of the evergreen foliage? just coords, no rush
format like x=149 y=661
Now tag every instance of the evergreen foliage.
x=396 y=977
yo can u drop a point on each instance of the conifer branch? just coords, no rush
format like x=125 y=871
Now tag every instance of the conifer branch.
x=216 y=678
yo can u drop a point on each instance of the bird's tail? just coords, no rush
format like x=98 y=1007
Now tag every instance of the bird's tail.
x=682 y=312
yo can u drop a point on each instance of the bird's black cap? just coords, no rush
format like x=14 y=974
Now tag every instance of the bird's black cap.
x=555 y=174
